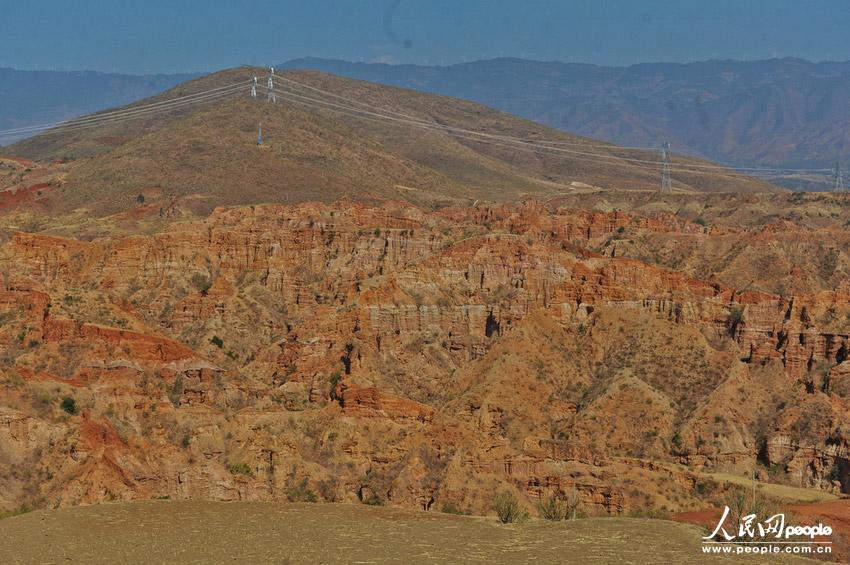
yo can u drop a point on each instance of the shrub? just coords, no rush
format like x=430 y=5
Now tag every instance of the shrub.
x=201 y=282
x=217 y=341
x=736 y=316
x=700 y=221
x=239 y=469
x=450 y=508
x=742 y=503
x=373 y=500
x=69 y=405
x=334 y=380
x=300 y=493
x=507 y=508
x=552 y=508
x=23 y=509
x=176 y=391
x=556 y=508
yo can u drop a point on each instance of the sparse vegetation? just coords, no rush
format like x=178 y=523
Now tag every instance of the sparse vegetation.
x=201 y=282
x=175 y=392
x=555 y=508
x=334 y=380
x=23 y=509
x=300 y=493
x=69 y=405
x=508 y=509
x=736 y=317
x=239 y=469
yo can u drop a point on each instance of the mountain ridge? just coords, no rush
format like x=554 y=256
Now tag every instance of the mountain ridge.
x=316 y=149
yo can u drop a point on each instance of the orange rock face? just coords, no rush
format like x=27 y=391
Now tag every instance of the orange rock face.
x=417 y=357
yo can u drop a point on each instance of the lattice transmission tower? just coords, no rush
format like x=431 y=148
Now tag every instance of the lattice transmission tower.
x=838 y=179
x=666 y=181
x=271 y=97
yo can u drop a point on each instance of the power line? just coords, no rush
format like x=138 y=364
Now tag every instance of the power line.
x=611 y=146
x=491 y=139
x=130 y=116
x=553 y=143
x=129 y=112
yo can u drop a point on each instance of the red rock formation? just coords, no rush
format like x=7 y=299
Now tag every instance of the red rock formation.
x=476 y=348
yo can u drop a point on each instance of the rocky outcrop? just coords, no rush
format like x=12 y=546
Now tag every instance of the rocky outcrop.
x=393 y=354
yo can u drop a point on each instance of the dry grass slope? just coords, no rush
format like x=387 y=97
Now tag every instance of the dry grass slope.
x=205 y=532
x=206 y=156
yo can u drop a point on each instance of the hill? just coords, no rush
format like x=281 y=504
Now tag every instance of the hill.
x=780 y=112
x=205 y=155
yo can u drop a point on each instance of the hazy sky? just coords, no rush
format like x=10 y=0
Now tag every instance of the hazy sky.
x=194 y=35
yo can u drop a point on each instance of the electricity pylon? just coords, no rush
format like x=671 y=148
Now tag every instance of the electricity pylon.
x=838 y=179
x=666 y=182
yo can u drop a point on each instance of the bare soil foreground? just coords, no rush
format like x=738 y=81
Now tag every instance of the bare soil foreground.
x=256 y=532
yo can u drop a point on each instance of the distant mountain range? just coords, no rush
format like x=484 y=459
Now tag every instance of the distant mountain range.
x=779 y=112
x=38 y=97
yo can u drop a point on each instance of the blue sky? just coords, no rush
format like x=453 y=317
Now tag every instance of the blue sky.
x=138 y=36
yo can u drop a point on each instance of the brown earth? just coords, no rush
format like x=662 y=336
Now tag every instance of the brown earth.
x=415 y=358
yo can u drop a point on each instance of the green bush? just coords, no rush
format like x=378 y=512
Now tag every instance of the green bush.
x=69 y=405
x=334 y=380
x=217 y=341
x=201 y=282
x=239 y=469
x=736 y=316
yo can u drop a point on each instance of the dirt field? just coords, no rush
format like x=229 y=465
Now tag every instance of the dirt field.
x=207 y=532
